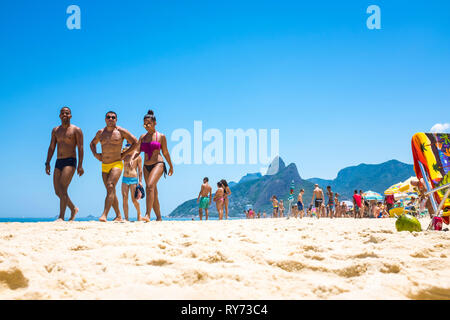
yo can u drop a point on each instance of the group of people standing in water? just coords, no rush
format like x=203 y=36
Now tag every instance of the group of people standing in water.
x=220 y=198
x=115 y=159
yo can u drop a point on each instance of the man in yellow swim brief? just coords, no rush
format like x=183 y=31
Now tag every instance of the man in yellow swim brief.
x=107 y=167
x=111 y=139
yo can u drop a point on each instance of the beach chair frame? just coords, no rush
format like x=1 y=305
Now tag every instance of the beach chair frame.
x=430 y=191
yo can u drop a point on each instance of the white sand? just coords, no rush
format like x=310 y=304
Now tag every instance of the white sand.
x=240 y=259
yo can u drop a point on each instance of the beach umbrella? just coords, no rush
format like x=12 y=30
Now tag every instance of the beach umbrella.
x=401 y=187
x=372 y=195
x=393 y=189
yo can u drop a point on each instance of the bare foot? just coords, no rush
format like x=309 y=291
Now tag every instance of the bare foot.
x=74 y=213
x=118 y=219
x=102 y=219
x=59 y=220
x=145 y=218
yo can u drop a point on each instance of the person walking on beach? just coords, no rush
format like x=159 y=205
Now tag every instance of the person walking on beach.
x=281 y=208
x=318 y=203
x=111 y=139
x=357 y=204
x=152 y=143
x=132 y=176
x=364 y=205
x=227 y=193
x=204 y=198
x=275 y=206
x=330 y=204
x=66 y=137
x=219 y=199
x=300 y=203
x=337 y=211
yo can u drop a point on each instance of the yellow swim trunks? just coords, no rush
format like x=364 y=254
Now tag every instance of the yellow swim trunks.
x=106 y=167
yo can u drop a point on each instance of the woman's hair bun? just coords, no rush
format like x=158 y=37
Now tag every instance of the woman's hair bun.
x=150 y=112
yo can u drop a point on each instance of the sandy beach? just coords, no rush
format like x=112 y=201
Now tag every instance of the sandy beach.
x=239 y=259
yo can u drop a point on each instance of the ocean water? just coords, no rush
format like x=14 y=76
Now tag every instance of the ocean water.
x=34 y=220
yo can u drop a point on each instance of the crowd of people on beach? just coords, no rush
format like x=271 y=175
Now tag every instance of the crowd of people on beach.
x=332 y=208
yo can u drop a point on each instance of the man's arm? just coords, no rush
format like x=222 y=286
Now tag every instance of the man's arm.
x=131 y=140
x=93 y=146
x=198 y=198
x=210 y=195
x=79 y=135
x=51 y=151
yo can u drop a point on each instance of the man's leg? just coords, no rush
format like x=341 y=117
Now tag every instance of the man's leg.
x=65 y=177
x=125 y=190
x=57 y=187
x=110 y=180
x=200 y=213
x=206 y=213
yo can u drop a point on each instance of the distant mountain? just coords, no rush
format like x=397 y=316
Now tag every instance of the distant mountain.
x=375 y=177
x=256 y=190
x=250 y=177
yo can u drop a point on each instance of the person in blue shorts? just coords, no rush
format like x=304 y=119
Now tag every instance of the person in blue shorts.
x=300 y=208
x=132 y=176
x=204 y=198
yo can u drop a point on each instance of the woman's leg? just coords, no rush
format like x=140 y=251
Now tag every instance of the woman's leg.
x=226 y=208
x=151 y=179
x=156 y=207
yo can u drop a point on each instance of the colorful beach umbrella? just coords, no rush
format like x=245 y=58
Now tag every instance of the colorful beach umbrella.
x=401 y=187
x=372 y=195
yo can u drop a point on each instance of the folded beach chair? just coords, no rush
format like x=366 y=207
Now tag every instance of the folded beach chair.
x=431 y=153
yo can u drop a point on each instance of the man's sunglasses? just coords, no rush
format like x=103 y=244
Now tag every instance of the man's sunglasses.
x=111 y=117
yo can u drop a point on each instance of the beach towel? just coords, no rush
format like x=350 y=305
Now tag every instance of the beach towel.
x=432 y=150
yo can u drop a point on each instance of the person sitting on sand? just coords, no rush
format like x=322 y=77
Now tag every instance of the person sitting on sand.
x=275 y=206
x=318 y=203
x=111 y=139
x=66 y=138
x=132 y=176
x=204 y=197
x=219 y=199
x=153 y=143
x=227 y=193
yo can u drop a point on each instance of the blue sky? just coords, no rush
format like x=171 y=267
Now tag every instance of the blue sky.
x=339 y=93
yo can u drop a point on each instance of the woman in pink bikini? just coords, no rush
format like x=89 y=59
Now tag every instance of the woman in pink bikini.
x=219 y=199
x=152 y=143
